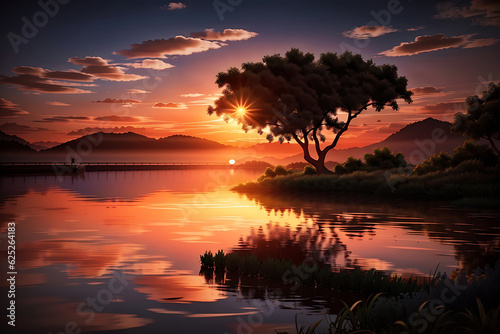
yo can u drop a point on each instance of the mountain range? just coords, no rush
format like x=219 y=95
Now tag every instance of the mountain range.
x=417 y=141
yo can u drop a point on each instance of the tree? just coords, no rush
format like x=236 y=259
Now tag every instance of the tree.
x=482 y=117
x=297 y=97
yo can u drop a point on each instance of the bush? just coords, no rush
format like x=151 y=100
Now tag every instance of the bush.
x=207 y=259
x=220 y=260
x=309 y=170
x=341 y=170
x=435 y=163
x=382 y=158
x=470 y=150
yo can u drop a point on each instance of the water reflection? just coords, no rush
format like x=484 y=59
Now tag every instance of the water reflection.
x=475 y=236
x=74 y=233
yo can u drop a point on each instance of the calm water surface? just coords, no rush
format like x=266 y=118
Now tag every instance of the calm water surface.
x=119 y=251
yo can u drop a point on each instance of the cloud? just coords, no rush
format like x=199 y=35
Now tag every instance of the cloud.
x=483 y=12
x=415 y=29
x=14 y=128
x=90 y=130
x=63 y=119
x=436 y=42
x=122 y=101
x=37 y=82
x=226 y=35
x=100 y=68
x=174 y=6
x=58 y=104
x=477 y=43
x=426 y=90
x=443 y=108
x=170 y=105
x=10 y=109
x=137 y=91
x=154 y=64
x=57 y=75
x=116 y=118
x=192 y=95
x=159 y=48
x=366 y=32
x=391 y=128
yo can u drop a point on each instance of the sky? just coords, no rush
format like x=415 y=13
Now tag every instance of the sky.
x=72 y=67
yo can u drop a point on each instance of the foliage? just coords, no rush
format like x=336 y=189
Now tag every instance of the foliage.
x=482 y=116
x=380 y=159
x=435 y=162
x=279 y=170
x=220 y=260
x=207 y=259
x=466 y=152
x=357 y=317
x=299 y=97
x=470 y=150
x=384 y=159
x=309 y=170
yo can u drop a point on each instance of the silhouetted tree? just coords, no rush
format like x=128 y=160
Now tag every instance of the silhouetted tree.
x=297 y=97
x=482 y=119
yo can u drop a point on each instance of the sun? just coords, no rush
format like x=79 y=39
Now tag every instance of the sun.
x=241 y=110
x=232 y=162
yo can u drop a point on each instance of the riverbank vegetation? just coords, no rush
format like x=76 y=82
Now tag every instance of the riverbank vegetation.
x=468 y=177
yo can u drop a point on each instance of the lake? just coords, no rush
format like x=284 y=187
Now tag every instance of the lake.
x=119 y=251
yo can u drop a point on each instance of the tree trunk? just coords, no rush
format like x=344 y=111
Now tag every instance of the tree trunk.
x=493 y=146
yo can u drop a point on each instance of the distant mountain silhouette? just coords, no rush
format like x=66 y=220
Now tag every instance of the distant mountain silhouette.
x=133 y=142
x=415 y=141
x=6 y=137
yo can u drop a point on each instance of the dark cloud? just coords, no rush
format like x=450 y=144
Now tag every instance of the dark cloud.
x=226 y=35
x=14 y=128
x=436 y=42
x=100 y=68
x=10 y=109
x=366 y=32
x=90 y=130
x=63 y=119
x=122 y=101
x=35 y=81
x=170 y=105
x=159 y=48
x=443 y=108
x=426 y=90
x=116 y=118
x=483 y=12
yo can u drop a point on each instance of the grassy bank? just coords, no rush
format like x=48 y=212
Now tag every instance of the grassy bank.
x=468 y=184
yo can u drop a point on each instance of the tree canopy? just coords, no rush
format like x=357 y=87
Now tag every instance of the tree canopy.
x=298 y=97
x=482 y=116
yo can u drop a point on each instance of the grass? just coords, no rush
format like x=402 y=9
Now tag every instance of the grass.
x=354 y=280
x=460 y=185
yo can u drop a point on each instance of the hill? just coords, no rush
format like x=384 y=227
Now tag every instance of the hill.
x=132 y=142
x=417 y=141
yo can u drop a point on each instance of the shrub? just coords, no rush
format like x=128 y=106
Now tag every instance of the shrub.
x=470 y=150
x=352 y=164
x=207 y=259
x=280 y=170
x=382 y=158
x=435 y=163
x=309 y=170
x=341 y=170
x=220 y=260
